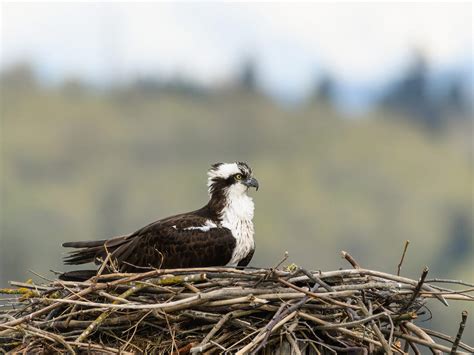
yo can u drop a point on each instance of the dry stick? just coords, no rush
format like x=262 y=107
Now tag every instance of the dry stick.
x=448 y=339
x=69 y=318
x=134 y=277
x=113 y=298
x=183 y=303
x=446 y=292
x=90 y=346
x=56 y=324
x=32 y=286
x=261 y=336
x=50 y=337
x=104 y=263
x=217 y=327
x=407 y=243
x=272 y=270
x=40 y=276
x=415 y=349
x=211 y=317
x=172 y=333
x=317 y=280
x=317 y=295
x=341 y=330
x=113 y=336
x=417 y=289
x=268 y=328
x=449 y=281
x=420 y=333
x=376 y=329
x=454 y=297
x=206 y=297
x=279 y=314
x=129 y=292
x=91 y=327
x=244 y=338
x=421 y=341
x=409 y=344
x=367 y=272
x=294 y=346
x=100 y=319
x=285 y=257
x=371 y=284
x=222 y=338
x=213 y=331
x=69 y=315
x=392 y=329
x=191 y=287
x=462 y=325
x=353 y=323
x=350 y=259
x=47 y=309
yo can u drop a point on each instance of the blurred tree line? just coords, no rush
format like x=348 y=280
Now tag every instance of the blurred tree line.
x=413 y=95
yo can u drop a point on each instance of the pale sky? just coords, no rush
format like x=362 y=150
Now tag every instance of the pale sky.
x=360 y=43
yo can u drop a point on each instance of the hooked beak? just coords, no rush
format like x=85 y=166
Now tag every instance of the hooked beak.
x=251 y=182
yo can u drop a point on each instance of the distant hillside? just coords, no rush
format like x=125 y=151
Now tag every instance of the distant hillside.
x=83 y=165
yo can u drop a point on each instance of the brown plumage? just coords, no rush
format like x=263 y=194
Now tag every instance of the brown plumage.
x=205 y=237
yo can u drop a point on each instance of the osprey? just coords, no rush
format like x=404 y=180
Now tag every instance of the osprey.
x=218 y=234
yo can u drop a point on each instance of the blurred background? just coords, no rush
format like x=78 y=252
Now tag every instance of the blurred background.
x=356 y=118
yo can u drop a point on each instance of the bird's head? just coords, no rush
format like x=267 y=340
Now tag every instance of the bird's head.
x=230 y=178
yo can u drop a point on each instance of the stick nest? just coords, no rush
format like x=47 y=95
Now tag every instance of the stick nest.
x=218 y=310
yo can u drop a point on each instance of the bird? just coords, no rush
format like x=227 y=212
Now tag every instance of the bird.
x=219 y=234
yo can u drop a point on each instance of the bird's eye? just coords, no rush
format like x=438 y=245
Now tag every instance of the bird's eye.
x=238 y=177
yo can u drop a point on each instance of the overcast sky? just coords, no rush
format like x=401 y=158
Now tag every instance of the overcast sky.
x=358 y=43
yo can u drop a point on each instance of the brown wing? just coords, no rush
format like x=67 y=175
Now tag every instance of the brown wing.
x=245 y=261
x=175 y=242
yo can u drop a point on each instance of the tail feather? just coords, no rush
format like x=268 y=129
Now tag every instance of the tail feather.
x=89 y=251
x=84 y=244
x=83 y=256
x=92 y=251
x=78 y=275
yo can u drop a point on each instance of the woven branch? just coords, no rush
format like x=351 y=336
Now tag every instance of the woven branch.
x=217 y=310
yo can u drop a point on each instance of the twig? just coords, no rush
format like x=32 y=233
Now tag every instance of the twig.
x=350 y=259
x=420 y=341
x=376 y=329
x=317 y=295
x=417 y=289
x=449 y=281
x=285 y=258
x=462 y=325
x=419 y=332
x=216 y=328
x=123 y=297
x=407 y=243
x=294 y=346
x=448 y=339
x=317 y=280
x=353 y=323
x=261 y=336
x=345 y=331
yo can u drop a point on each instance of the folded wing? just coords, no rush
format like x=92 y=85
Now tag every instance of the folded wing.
x=178 y=242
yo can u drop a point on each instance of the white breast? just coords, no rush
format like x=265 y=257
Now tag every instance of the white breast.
x=237 y=216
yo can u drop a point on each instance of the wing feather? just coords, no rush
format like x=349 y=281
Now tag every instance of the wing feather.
x=174 y=242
